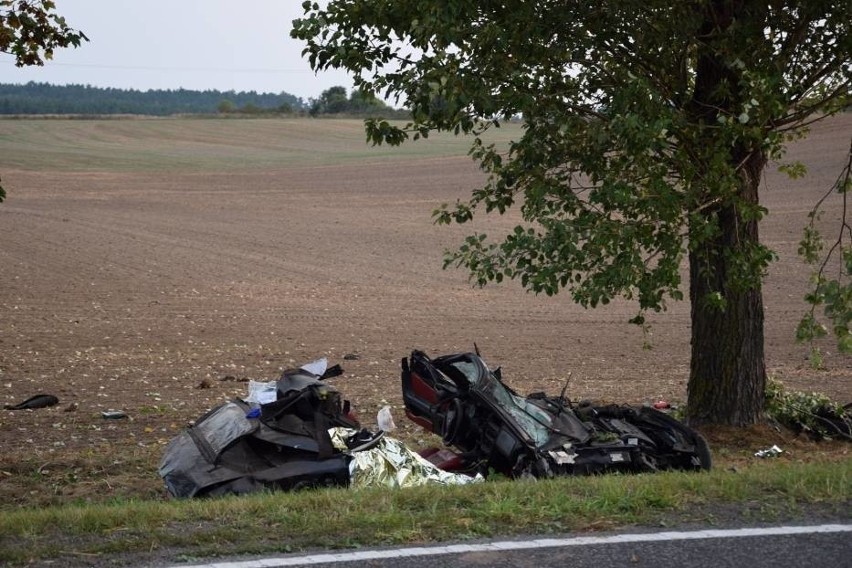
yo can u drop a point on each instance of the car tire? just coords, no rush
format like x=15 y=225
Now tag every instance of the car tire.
x=452 y=422
x=702 y=452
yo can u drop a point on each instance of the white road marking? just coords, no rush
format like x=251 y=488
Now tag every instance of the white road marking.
x=333 y=557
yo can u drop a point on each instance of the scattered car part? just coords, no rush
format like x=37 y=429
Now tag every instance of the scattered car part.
x=113 y=414
x=37 y=401
x=772 y=452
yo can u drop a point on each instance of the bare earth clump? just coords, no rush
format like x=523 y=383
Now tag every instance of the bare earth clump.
x=159 y=293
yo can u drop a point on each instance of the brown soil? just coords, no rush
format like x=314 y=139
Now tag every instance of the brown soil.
x=159 y=294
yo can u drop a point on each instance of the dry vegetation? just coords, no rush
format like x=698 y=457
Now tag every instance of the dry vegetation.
x=152 y=266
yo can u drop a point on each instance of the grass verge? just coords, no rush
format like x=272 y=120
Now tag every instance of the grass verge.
x=285 y=522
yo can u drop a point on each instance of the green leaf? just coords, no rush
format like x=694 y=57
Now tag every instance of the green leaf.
x=794 y=170
x=637 y=320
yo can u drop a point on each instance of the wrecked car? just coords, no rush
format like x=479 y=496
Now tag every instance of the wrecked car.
x=299 y=432
x=490 y=427
x=240 y=447
x=288 y=435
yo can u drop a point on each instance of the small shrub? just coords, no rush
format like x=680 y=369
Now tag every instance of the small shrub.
x=813 y=413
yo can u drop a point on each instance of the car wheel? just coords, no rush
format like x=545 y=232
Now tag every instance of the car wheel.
x=702 y=452
x=452 y=422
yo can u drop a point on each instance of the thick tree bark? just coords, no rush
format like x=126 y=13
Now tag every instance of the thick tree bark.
x=728 y=370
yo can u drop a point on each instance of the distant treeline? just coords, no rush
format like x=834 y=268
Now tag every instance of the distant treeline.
x=47 y=99
x=44 y=98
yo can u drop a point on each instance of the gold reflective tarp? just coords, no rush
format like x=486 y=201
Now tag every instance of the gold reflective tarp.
x=391 y=464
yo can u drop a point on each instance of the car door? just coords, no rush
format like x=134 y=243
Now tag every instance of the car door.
x=426 y=392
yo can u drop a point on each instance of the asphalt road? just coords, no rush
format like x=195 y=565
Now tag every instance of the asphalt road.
x=799 y=546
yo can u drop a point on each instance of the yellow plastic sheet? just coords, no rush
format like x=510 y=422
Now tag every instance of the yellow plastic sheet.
x=392 y=464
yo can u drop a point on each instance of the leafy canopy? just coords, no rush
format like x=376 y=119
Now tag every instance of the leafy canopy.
x=622 y=166
x=833 y=294
x=30 y=30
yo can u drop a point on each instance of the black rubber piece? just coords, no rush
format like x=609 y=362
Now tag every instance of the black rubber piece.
x=37 y=401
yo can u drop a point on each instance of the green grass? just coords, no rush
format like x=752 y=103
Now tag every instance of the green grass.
x=206 y=145
x=342 y=518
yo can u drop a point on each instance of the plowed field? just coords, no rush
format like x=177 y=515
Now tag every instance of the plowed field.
x=152 y=266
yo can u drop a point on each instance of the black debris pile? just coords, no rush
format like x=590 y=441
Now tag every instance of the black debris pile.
x=242 y=447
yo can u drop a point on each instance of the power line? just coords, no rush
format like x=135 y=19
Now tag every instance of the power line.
x=153 y=68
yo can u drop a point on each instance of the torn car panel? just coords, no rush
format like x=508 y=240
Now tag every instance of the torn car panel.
x=239 y=447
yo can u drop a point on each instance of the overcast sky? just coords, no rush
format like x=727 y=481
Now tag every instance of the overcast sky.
x=240 y=45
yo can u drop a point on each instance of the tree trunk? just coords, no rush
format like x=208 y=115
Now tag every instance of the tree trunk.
x=728 y=371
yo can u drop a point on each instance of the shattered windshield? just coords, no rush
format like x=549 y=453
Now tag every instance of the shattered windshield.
x=533 y=420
